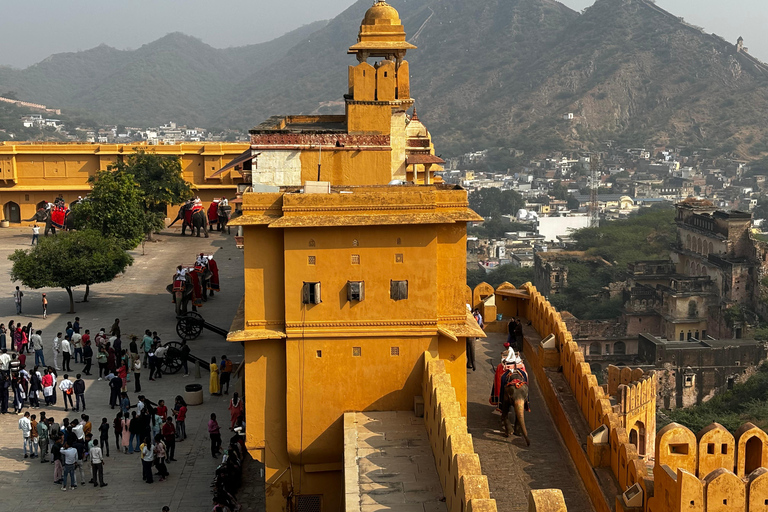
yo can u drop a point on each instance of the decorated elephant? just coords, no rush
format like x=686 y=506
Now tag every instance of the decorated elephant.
x=192 y=214
x=182 y=298
x=515 y=394
x=54 y=216
x=219 y=213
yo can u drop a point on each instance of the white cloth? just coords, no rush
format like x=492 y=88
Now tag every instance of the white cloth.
x=65 y=385
x=96 y=456
x=5 y=361
x=65 y=346
x=25 y=426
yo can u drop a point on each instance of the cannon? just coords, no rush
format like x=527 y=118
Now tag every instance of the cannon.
x=190 y=325
x=172 y=362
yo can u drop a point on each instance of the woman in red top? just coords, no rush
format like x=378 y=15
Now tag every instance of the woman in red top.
x=169 y=436
x=180 y=411
x=235 y=410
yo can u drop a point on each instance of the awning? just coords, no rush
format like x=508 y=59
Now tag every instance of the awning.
x=244 y=157
x=518 y=293
x=469 y=329
x=423 y=159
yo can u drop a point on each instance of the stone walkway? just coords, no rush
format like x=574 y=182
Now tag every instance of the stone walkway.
x=139 y=299
x=396 y=467
x=513 y=468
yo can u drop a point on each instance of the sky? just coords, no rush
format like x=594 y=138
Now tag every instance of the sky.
x=34 y=30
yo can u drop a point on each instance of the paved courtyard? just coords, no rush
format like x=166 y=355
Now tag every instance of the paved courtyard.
x=139 y=299
x=512 y=467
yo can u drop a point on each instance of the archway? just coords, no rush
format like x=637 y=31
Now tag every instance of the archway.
x=688 y=242
x=594 y=348
x=640 y=437
x=710 y=247
x=619 y=348
x=12 y=212
x=633 y=438
x=753 y=457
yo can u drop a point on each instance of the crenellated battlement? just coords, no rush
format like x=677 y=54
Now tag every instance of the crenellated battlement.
x=713 y=470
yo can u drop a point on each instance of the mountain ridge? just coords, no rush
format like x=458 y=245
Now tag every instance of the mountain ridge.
x=492 y=73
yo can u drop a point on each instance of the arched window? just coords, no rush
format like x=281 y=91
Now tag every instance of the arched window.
x=619 y=348
x=640 y=426
x=594 y=348
x=688 y=242
x=711 y=250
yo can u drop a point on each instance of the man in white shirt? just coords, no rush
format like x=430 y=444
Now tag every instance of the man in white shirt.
x=56 y=351
x=66 y=391
x=66 y=351
x=25 y=425
x=35 y=234
x=5 y=361
x=17 y=295
x=69 y=458
x=97 y=466
x=36 y=342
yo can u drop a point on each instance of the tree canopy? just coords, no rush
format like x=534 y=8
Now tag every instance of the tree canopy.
x=68 y=260
x=493 y=202
x=115 y=208
x=159 y=176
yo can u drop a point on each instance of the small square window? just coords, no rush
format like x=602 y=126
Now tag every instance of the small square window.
x=319 y=353
x=357 y=351
x=311 y=260
x=398 y=290
x=711 y=448
x=355 y=259
x=724 y=449
x=398 y=258
x=399 y=242
x=311 y=242
x=394 y=351
x=355 y=243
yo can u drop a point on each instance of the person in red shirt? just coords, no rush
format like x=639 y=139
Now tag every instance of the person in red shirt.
x=215 y=434
x=180 y=411
x=169 y=436
x=162 y=411
x=86 y=339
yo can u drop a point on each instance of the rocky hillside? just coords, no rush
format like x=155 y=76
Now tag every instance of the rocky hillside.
x=487 y=73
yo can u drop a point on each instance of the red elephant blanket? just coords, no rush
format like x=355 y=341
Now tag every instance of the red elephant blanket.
x=497 y=381
x=213 y=284
x=197 y=290
x=190 y=211
x=59 y=216
x=213 y=213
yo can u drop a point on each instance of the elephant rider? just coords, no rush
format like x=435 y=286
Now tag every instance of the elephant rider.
x=510 y=361
x=514 y=372
x=179 y=281
x=224 y=202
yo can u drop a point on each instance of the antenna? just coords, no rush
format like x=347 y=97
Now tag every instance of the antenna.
x=319 y=161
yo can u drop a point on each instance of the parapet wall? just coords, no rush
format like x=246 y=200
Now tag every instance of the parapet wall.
x=464 y=485
x=714 y=471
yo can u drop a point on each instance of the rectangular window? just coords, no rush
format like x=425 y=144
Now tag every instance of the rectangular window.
x=355 y=259
x=398 y=258
x=355 y=291
x=394 y=351
x=310 y=293
x=398 y=290
x=357 y=351
x=311 y=260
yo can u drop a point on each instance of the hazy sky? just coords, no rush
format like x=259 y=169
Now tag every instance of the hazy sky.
x=33 y=30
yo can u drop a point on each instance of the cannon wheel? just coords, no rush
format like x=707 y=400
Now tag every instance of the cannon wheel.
x=172 y=362
x=190 y=326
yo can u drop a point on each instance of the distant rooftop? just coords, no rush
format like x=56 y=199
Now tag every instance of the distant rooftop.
x=693 y=343
x=302 y=124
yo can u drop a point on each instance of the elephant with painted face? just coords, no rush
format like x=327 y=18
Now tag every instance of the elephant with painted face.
x=192 y=214
x=183 y=298
x=515 y=394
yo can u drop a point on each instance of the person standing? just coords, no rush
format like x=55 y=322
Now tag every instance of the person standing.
x=169 y=435
x=97 y=464
x=3 y=337
x=56 y=351
x=146 y=346
x=101 y=360
x=69 y=454
x=235 y=410
x=87 y=358
x=34 y=441
x=79 y=389
x=45 y=306
x=137 y=375
x=160 y=454
x=76 y=325
x=115 y=329
x=147 y=459
x=104 y=436
x=42 y=438
x=213 y=383
x=25 y=425
x=185 y=356
x=36 y=341
x=77 y=347
x=17 y=296
x=115 y=383
x=180 y=411
x=226 y=372
x=215 y=434
x=35 y=234
x=66 y=352
x=66 y=390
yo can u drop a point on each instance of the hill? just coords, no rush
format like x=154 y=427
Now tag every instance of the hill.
x=488 y=73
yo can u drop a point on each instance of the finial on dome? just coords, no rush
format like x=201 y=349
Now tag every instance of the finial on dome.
x=415 y=116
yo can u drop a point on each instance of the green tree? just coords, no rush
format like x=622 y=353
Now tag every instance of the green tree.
x=160 y=178
x=115 y=208
x=493 y=202
x=69 y=260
